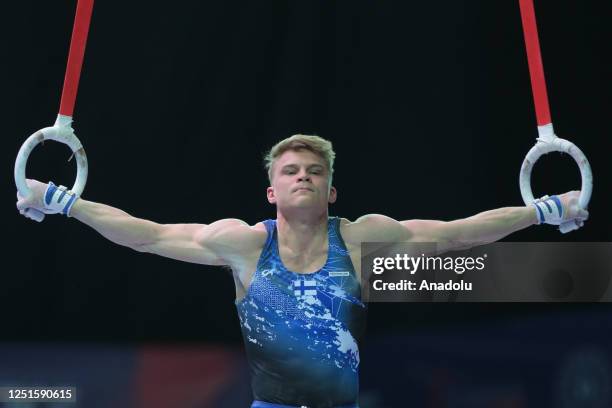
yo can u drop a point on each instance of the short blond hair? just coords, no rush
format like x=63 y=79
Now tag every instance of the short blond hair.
x=319 y=146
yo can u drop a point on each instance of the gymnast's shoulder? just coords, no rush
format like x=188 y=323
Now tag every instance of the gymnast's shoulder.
x=373 y=228
x=232 y=230
x=230 y=238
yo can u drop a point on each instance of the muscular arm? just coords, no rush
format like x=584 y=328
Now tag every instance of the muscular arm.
x=218 y=243
x=479 y=229
x=482 y=228
x=493 y=225
x=224 y=242
x=115 y=225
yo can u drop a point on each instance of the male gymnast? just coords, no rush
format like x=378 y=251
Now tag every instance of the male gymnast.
x=298 y=277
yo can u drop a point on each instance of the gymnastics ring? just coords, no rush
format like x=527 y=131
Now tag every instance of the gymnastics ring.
x=549 y=142
x=61 y=132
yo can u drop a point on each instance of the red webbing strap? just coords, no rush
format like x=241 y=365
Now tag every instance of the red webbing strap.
x=534 y=58
x=75 y=56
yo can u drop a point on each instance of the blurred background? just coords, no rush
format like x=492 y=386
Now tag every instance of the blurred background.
x=429 y=108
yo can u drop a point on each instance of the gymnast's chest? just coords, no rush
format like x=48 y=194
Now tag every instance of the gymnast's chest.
x=298 y=262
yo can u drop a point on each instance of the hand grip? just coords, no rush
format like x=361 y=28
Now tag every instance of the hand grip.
x=60 y=132
x=549 y=142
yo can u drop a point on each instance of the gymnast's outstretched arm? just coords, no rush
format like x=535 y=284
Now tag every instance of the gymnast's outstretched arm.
x=222 y=242
x=493 y=225
x=480 y=229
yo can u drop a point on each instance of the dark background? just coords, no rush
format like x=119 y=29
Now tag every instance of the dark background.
x=428 y=105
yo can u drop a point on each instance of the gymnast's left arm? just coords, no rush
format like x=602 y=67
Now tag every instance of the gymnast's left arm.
x=483 y=228
x=493 y=225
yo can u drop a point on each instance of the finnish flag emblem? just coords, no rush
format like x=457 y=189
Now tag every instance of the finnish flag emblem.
x=305 y=287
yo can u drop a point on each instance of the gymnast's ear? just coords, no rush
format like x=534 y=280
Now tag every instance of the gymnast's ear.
x=333 y=195
x=271 y=195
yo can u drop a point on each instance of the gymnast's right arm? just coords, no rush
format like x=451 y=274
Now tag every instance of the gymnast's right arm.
x=223 y=242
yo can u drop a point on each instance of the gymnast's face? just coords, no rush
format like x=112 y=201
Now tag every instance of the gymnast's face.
x=300 y=179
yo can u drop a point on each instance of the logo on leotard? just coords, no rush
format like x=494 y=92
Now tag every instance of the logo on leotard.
x=339 y=273
x=267 y=272
x=305 y=287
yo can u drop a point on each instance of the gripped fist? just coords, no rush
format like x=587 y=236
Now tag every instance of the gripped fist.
x=35 y=199
x=571 y=209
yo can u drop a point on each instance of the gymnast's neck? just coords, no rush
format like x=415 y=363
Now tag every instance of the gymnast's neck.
x=302 y=231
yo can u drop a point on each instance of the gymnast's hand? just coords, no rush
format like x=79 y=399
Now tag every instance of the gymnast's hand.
x=47 y=198
x=571 y=209
x=560 y=208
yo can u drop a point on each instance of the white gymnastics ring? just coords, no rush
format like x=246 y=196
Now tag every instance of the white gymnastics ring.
x=61 y=132
x=549 y=142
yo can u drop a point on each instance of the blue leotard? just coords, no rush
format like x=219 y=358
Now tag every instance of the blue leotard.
x=301 y=330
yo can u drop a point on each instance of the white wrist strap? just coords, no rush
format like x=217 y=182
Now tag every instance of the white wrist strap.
x=59 y=199
x=549 y=210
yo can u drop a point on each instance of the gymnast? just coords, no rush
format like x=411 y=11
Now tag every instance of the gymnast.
x=297 y=277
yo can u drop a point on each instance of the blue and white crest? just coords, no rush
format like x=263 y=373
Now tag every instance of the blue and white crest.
x=303 y=287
